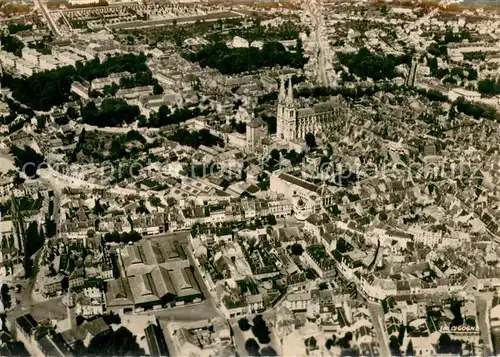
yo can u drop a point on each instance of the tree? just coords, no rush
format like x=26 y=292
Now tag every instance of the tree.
x=157 y=89
x=409 y=349
x=452 y=114
x=329 y=343
x=252 y=347
x=264 y=181
x=27 y=160
x=72 y=113
x=489 y=86
x=6 y=299
x=271 y=219
x=237 y=60
x=297 y=249
x=114 y=343
x=365 y=64
x=44 y=90
x=323 y=286
x=447 y=345
x=310 y=343
x=394 y=346
x=401 y=334
x=244 y=325
x=268 y=351
x=260 y=329
x=310 y=140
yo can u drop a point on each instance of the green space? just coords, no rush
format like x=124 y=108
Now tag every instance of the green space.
x=43 y=90
x=365 y=64
x=238 y=60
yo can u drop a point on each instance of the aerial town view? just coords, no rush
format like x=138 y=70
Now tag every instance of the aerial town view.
x=223 y=178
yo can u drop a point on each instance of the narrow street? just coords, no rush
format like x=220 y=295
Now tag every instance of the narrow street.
x=377 y=316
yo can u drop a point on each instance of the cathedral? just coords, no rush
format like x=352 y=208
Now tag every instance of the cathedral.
x=294 y=123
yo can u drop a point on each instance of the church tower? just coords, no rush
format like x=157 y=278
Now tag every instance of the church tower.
x=286 y=113
x=280 y=109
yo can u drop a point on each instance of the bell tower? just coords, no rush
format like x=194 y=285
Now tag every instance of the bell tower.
x=280 y=111
x=286 y=115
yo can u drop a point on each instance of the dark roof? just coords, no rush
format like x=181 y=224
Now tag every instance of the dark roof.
x=156 y=341
x=96 y=327
x=27 y=323
x=54 y=346
x=298 y=182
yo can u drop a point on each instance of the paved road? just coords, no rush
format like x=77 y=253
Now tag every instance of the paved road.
x=50 y=21
x=377 y=316
x=317 y=22
x=483 y=305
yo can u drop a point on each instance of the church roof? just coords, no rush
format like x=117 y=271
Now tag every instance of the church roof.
x=256 y=123
x=324 y=107
x=305 y=112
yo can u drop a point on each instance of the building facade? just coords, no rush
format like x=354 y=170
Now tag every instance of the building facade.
x=294 y=123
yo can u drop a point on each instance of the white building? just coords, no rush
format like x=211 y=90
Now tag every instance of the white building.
x=82 y=2
x=8 y=59
x=81 y=90
x=100 y=83
x=306 y=197
x=31 y=56
x=69 y=58
x=25 y=68
x=47 y=63
x=256 y=131
x=239 y=42
x=466 y=94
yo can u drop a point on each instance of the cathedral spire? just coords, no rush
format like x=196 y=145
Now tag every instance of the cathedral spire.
x=289 y=97
x=282 y=89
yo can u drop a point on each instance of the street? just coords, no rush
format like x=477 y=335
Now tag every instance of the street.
x=317 y=21
x=377 y=317
x=50 y=21
x=483 y=306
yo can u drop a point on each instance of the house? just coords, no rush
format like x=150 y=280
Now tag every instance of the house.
x=297 y=301
x=53 y=285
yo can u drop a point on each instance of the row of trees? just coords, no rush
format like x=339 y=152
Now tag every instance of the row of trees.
x=237 y=60
x=476 y=110
x=124 y=237
x=43 y=90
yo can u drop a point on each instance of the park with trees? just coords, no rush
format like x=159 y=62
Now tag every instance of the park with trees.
x=238 y=60
x=44 y=90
